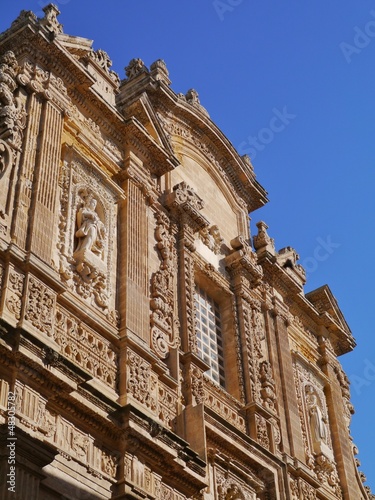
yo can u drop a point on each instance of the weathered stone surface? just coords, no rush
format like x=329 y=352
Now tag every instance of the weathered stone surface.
x=124 y=251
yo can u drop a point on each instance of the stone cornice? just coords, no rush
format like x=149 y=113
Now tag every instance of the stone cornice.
x=191 y=117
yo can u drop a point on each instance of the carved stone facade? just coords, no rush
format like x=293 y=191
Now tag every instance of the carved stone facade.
x=151 y=347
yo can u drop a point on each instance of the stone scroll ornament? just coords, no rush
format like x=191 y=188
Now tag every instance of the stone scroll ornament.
x=163 y=319
x=12 y=111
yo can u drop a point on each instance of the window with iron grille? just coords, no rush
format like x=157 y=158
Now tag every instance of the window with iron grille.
x=209 y=335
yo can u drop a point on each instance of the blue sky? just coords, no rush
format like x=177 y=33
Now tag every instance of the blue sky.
x=251 y=60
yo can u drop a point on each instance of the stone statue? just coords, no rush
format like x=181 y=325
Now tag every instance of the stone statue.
x=317 y=421
x=91 y=230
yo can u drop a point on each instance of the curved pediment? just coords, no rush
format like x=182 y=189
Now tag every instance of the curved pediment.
x=180 y=124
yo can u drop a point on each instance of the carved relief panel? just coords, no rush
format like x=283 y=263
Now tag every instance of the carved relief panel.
x=144 y=386
x=164 y=321
x=11 y=300
x=12 y=124
x=88 y=235
x=316 y=433
x=228 y=486
x=73 y=444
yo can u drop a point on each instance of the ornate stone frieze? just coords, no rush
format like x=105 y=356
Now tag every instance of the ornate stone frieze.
x=197 y=386
x=267 y=383
x=141 y=479
x=40 y=306
x=252 y=360
x=143 y=385
x=326 y=472
x=14 y=292
x=189 y=278
x=230 y=487
x=301 y=490
x=222 y=404
x=86 y=348
x=74 y=444
x=263 y=384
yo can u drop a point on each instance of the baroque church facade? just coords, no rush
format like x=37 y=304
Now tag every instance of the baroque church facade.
x=150 y=347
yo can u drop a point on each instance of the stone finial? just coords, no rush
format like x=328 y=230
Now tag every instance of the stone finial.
x=159 y=71
x=247 y=160
x=262 y=242
x=102 y=58
x=50 y=21
x=192 y=96
x=25 y=15
x=287 y=258
x=134 y=68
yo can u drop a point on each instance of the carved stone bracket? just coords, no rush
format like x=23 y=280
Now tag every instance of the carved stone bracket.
x=185 y=203
x=243 y=259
